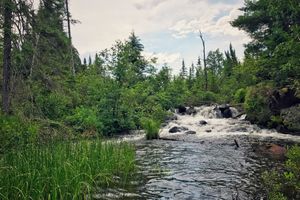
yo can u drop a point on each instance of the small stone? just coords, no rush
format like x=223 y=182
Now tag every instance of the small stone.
x=190 y=132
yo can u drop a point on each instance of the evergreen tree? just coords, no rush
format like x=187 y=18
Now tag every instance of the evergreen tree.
x=274 y=29
x=183 y=71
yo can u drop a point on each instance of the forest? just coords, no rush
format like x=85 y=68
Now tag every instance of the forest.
x=58 y=109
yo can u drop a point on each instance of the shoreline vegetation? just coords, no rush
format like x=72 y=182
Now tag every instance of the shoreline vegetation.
x=49 y=94
x=66 y=170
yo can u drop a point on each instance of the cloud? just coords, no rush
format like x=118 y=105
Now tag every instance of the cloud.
x=171 y=59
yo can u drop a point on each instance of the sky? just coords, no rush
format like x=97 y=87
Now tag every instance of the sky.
x=168 y=29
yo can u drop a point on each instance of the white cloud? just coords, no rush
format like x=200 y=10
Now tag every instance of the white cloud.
x=171 y=59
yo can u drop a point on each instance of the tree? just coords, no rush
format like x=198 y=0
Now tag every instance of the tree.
x=204 y=60
x=274 y=29
x=183 y=71
x=7 y=46
x=230 y=61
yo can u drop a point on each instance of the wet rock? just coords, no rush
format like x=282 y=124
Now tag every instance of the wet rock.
x=171 y=118
x=177 y=129
x=283 y=98
x=181 y=109
x=291 y=118
x=203 y=122
x=191 y=111
x=276 y=150
x=225 y=110
x=190 y=132
x=208 y=131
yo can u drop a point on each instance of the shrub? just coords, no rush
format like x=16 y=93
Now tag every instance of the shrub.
x=85 y=120
x=151 y=127
x=257 y=104
x=54 y=105
x=285 y=185
x=15 y=133
x=239 y=96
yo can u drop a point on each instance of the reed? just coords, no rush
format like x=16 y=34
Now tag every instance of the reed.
x=65 y=170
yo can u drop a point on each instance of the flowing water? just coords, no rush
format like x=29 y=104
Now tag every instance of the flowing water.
x=205 y=165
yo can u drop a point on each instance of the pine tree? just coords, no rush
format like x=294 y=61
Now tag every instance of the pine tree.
x=183 y=72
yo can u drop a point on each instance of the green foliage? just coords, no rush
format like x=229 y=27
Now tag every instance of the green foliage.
x=85 y=120
x=257 y=103
x=15 y=133
x=239 y=96
x=151 y=127
x=65 y=171
x=286 y=184
x=54 y=105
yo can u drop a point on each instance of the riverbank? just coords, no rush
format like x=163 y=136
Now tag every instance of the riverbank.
x=65 y=170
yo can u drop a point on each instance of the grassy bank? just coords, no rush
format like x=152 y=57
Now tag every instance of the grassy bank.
x=64 y=171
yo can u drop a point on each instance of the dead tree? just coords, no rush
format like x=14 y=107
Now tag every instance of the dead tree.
x=204 y=60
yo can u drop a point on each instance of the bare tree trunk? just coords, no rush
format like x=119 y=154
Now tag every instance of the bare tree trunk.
x=204 y=61
x=70 y=37
x=7 y=26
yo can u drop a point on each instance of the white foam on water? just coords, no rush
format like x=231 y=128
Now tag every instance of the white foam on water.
x=219 y=127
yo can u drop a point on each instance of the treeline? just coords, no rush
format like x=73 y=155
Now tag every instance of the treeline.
x=51 y=95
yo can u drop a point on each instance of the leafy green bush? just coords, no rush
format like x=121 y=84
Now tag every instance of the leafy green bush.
x=285 y=185
x=239 y=96
x=54 y=105
x=257 y=103
x=85 y=120
x=15 y=133
x=151 y=127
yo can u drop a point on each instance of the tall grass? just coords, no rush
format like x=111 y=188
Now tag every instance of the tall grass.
x=64 y=171
x=151 y=127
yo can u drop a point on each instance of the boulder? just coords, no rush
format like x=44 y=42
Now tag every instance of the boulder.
x=291 y=119
x=203 y=122
x=191 y=111
x=181 y=109
x=225 y=110
x=177 y=129
x=208 y=131
x=190 y=132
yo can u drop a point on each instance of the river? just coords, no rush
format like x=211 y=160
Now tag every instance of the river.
x=205 y=165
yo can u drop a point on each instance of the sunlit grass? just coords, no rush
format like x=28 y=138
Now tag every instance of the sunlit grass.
x=64 y=171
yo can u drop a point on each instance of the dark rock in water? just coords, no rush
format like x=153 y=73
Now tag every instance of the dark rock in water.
x=208 y=131
x=203 y=122
x=191 y=111
x=190 y=132
x=171 y=118
x=177 y=129
x=181 y=109
x=225 y=110
x=291 y=118
x=174 y=129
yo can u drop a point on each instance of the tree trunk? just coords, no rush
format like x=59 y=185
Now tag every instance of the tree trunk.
x=70 y=37
x=204 y=61
x=7 y=26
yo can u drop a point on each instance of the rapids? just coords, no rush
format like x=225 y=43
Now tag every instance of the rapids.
x=204 y=165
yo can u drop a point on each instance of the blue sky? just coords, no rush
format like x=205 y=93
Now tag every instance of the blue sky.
x=167 y=28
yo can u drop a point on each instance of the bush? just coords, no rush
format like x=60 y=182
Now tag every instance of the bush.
x=151 y=127
x=15 y=133
x=239 y=96
x=257 y=104
x=85 y=120
x=285 y=185
x=54 y=106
